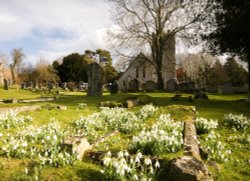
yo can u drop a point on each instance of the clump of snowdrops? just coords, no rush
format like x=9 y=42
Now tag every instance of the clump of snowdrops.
x=43 y=144
x=163 y=137
x=216 y=148
x=129 y=167
x=237 y=121
x=204 y=125
x=109 y=119
x=12 y=119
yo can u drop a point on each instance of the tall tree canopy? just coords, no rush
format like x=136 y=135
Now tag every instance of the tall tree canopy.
x=74 y=66
x=233 y=29
x=72 y=69
x=146 y=25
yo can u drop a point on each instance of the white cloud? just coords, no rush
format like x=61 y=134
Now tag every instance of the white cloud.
x=60 y=26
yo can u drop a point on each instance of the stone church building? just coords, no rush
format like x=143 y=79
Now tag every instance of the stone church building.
x=142 y=75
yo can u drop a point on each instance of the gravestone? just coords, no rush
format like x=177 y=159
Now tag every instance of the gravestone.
x=113 y=88
x=76 y=145
x=227 y=88
x=171 y=85
x=182 y=87
x=190 y=87
x=200 y=94
x=212 y=89
x=6 y=84
x=149 y=86
x=133 y=85
x=95 y=74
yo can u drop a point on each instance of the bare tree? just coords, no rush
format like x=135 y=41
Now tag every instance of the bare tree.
x=197 y=67
x=17 y=57
x=147 y=26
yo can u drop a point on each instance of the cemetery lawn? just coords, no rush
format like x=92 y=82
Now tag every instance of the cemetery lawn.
x=237 y=168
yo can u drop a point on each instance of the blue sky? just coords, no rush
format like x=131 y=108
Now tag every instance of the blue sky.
x=50 y=29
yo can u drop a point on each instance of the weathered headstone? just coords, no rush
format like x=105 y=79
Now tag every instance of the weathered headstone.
x=188 y=168
x=95 y=74
x=133 y=85
x=149 y=86
x=212 y=89
x=171 y=85
x=200 y=94
x=241 y=89
x=190 y=87
x=6 y=84
x=113 y=88
x=77 y=145
x=130 y=103
x=227 y=88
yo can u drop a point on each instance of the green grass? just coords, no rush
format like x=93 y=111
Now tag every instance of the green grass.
x=215 y=107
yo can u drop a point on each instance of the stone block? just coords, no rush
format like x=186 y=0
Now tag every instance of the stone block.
x=61 y=107
x=77 y=145
x=188 y=168
x=130 y=103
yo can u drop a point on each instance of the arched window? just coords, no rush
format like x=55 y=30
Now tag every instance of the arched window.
x=137 y=72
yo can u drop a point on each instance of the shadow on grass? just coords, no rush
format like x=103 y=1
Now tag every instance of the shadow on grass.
x=215 y=107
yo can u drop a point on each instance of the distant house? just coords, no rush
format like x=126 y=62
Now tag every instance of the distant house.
x=142 y=75
x=4 y=73
x=1 y=73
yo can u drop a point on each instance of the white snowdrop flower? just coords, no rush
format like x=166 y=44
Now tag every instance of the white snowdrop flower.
x=106 y=160
x=147 y=161
x=126 y=153
x=120 y=154
x=15 y=147
x=157 y=164
x=135 y=177
x=1 y=134
x=151 y=170
x=109 y=154
x=24 y=144
x=55 y=137
x=139 y=155
x=137 y=159
x=115 y=164
x=122 y=172
x=26 y=170
x=4 y=148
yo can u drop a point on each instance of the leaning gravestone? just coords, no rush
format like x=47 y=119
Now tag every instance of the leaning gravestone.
x=6 y=84
x=95 y=74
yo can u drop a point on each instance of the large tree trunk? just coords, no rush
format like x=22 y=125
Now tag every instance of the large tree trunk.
x=160 y=84
x=248 y=64
x=13 y=76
